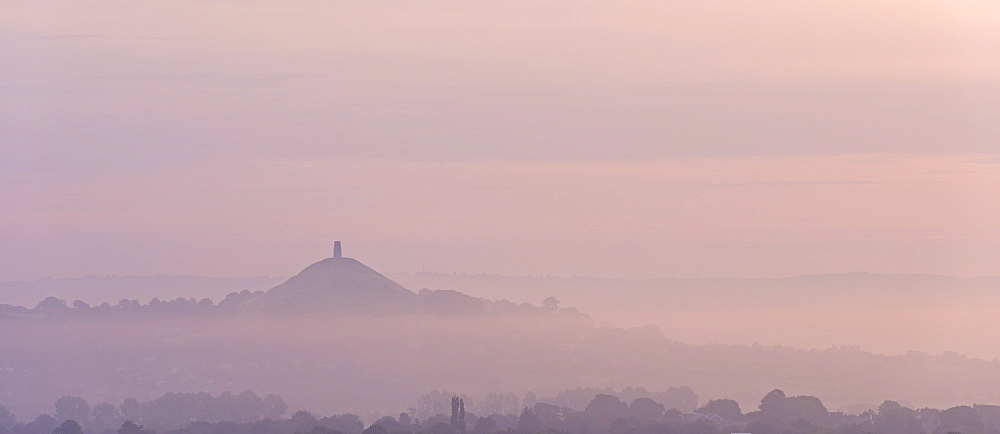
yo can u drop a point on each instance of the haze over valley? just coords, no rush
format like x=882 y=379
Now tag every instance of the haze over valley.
x=587 y=217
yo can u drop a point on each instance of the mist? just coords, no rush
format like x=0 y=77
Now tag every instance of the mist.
x=684 y=217
x=383 y=364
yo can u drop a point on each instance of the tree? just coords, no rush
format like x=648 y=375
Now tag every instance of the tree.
x=391 y=424
x=771 y=401
x=51 y=305
x=551 y=415
x=442 y=428
x=375 y=429
x=629 y=425
x=404 y=419
x=646 y=409
x=458 y=413
x=893 y=418
x=246 y=406
x=776 y=405
x=347 y=422
x=302 y=420
x=7 y=420
x=963 y=419
x=42 y=424
x=70 y=426
x=673 y=416
x=274 y=406
x=130 y=427
x=104 y=416
x=72 y=407
x=702 y=426
x=529 y=422
x=433 y=403
x=551 y=304
x=485 y=425
x=603 y=410
x=725 y=408
x=131 y=409
x=806 y=407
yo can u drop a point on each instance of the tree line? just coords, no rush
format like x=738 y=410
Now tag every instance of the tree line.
x=247 y=413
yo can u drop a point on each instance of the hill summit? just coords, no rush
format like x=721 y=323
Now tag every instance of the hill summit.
x=335 y=285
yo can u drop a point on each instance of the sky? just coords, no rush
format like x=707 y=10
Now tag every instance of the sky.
x=613 y=139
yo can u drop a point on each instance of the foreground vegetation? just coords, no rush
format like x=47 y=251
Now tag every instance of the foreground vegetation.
x=246 y=413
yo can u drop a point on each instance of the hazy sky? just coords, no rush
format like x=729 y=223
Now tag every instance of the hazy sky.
x=638 y=138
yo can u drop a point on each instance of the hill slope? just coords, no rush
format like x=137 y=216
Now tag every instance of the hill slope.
x=335 y=285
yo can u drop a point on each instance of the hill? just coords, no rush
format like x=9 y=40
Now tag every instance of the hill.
x=335 y=285
x=926 y=313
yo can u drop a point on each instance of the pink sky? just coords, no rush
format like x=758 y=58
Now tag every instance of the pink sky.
x=631 y=139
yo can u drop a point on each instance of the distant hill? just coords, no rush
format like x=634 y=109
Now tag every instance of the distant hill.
x=329 y=352
x=100 y=289
x=527 y=288
x=929 y=313
x=335 y=285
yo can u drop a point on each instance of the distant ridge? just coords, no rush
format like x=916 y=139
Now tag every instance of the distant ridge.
x=335 y=285
x=109 y=289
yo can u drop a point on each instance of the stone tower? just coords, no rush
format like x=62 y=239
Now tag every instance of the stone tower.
x=337 y=253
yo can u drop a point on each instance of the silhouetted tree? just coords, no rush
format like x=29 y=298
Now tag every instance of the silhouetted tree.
x=274 y=406
x=442 y=428
x=962 y=419
x=319 y=429
x=375 y=429
x=461 y=415
x=725 y=408
x=404 y=419
x=551 y=415
x=130 y=427
x=72 y=407
x=458 y=414
x=771 y=401
x=43 y=424
x=893 y=418
x=131 y=410
x=682 y=398
x=551 y=304
x=485 y=425
x=7 y=420
x=673 y=416
x=391 y=424
x=603 y=410
x=104 y=416
x=776 y=405
x=70 y=426
x=52 y=305
x=302 y=421
x=806 y=407
x=701 y=426
x=646 y=409
x=433 y=403
x=763 y=427
x=529 y=422
x=347 y=423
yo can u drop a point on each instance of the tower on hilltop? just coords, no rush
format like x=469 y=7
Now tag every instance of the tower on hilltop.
x=337 y=252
